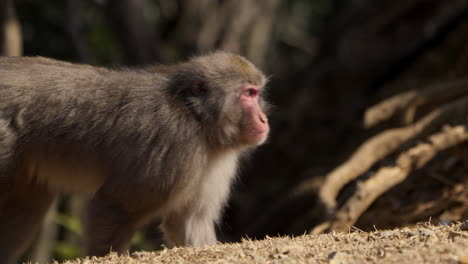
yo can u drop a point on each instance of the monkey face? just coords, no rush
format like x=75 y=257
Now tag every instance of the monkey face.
x=233 y=112
x=234 y=117
x=224 y=94
x=255 y=126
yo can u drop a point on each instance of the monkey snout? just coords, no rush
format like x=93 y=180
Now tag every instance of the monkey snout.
x=262 y=123
x=263 y=118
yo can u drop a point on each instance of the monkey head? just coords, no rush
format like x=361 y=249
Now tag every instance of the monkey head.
x=225 y=94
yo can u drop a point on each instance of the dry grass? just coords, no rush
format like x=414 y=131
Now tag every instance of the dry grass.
x=421 y=244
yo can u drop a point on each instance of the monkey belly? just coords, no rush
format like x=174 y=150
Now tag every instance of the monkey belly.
x=62 y=174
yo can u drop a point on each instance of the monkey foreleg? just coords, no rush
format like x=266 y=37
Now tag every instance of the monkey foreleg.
x=194 y=229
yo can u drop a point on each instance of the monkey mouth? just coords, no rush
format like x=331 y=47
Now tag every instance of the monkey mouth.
x=258 y=132
x=257 y=136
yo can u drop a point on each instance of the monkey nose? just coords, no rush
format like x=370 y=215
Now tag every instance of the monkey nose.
x=263 y=118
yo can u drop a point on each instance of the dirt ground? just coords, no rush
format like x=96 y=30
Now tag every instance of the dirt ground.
x=423 y=243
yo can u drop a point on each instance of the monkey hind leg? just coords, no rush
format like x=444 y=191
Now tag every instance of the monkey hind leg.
x=7 y=153
x=20 y=216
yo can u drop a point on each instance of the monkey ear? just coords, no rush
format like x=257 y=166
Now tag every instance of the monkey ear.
x=198 y=88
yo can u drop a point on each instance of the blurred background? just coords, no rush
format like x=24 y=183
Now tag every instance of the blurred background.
x=329 y=62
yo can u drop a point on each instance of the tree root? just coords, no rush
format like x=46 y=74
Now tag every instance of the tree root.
x=410 y=155
x=386 y=143
x=387 y=177
x=406 y=104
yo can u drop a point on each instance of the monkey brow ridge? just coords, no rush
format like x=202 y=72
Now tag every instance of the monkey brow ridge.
x=248 y=70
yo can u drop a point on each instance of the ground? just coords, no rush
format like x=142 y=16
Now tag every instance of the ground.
x=423 y=243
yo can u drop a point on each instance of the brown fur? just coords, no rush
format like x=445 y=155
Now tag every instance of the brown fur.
x=161 y=141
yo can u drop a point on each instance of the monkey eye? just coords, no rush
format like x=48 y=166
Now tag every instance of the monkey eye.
x=251 y=92
x=199 y=88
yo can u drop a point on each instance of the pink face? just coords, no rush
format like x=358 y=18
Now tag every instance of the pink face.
x=256 y=124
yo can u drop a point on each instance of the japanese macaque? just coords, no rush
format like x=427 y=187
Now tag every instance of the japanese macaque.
x=156 y=142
